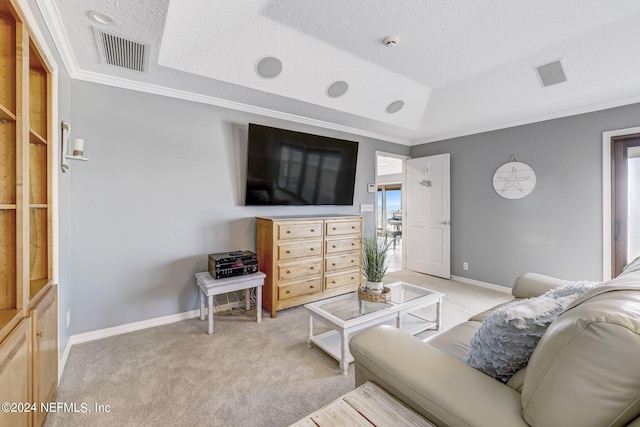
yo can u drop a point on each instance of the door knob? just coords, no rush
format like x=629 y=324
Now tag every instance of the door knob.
x=445 y=222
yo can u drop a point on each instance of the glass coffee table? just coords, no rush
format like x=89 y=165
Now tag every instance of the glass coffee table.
x=348 y=314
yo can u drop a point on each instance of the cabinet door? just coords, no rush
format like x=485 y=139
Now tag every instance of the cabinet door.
x=15 y=384
x=44 y=317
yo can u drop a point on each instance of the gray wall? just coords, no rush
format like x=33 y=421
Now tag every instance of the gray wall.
x=557 y=229
x=163 y=189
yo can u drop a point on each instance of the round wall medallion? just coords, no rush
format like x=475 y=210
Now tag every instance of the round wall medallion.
x=514 y=180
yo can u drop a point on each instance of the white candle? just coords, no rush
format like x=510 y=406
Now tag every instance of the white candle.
x=78 y=144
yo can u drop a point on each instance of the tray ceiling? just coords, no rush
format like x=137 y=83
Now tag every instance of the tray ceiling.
x=459 y=67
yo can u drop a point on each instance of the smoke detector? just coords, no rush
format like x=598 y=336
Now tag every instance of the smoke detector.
x=391 y=41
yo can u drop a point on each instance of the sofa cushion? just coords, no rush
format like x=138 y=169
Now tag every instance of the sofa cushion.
x=455 y=341
x=484 y=314
x=505 y=340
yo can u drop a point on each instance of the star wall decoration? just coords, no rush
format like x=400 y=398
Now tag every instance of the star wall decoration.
x=514 y=180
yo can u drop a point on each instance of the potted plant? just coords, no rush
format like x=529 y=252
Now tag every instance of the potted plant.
x=374 y=262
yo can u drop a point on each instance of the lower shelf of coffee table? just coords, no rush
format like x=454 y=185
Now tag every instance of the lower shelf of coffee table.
x=330 y=341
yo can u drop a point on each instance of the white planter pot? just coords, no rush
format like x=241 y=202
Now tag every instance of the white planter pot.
x=374 y=287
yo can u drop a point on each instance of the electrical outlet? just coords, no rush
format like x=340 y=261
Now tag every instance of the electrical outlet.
x=68 y=317
x=465 y=266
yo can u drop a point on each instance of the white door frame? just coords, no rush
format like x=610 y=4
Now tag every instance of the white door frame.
x=606 y=196
x=403 y=194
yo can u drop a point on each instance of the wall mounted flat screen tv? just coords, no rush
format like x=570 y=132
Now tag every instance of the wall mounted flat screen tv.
x=293 y=168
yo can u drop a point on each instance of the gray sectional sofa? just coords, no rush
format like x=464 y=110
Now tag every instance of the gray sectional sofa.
x=584 y=371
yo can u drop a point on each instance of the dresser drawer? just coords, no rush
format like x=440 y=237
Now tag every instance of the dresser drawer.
x=297 y=289
x=335 y=263
x=339 y=228
x=342 y=245
x=297 y=270
x=294 y=250
x=299 y=230
x=338 y=280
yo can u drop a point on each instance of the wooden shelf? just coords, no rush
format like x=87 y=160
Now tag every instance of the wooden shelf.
x=37 y=288
x=5 y=114
x=9 y=318
x=36 y=138
x=28 y=297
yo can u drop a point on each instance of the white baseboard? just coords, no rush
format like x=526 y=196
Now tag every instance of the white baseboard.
x=135 y=326
x=482 y=284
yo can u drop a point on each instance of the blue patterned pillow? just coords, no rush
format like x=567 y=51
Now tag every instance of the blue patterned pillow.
x=506 y=339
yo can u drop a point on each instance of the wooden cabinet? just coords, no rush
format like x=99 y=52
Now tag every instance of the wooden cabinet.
x=44 y=333
x=27 y=295
x=15 y=381
x=307 y=258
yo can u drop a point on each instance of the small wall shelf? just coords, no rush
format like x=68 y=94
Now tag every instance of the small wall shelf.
x=64 y=164
x=84 y=159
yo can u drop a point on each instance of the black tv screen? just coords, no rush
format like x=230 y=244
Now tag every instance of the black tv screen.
x=293 y=168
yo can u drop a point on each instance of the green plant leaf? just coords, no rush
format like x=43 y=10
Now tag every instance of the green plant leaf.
x=374 y=257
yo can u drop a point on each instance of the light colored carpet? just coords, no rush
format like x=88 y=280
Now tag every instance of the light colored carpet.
x=245 y=374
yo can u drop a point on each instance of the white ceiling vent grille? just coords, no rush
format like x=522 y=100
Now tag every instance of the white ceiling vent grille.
x=121 y=52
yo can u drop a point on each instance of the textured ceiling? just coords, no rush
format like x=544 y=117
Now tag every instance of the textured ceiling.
x=460 y=67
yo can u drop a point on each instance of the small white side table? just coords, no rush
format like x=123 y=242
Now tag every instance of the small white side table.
x=210 y=287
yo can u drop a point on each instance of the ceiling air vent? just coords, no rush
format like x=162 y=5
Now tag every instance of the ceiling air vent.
x=121 y=52
x=551 y=73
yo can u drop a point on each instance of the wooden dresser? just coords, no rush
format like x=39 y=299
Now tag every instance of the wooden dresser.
x=307 y=258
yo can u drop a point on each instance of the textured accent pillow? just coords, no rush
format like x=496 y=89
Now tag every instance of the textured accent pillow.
x=506 y=339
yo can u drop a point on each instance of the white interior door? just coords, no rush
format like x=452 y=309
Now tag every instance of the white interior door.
x=426 y=230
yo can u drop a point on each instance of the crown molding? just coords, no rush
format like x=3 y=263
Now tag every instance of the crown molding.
x=224 y=103
x=535 y=119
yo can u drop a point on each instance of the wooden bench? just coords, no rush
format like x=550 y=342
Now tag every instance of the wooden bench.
x=367 y=405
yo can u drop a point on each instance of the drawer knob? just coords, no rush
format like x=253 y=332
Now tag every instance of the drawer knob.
x=312 y=249
x=352 y=261
x=353 y=244
x=312 y=287
x=334 y=229
x=288 y=272
x=39 y=333
x=333 y=264
x=352 y=278
x=353 y=227
x=288 y=231
x=288 y=252
x=333 y=281
x=288 y=292
x=311 y=268
x=333 y=246
x=313 y=230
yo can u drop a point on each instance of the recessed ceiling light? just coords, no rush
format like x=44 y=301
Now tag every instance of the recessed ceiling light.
x=395 y=106
x=101 y=18
x=337 y=89
x=269 y=67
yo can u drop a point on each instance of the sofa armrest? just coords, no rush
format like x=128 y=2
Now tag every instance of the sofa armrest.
x=440 y=387
x=530 y=285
